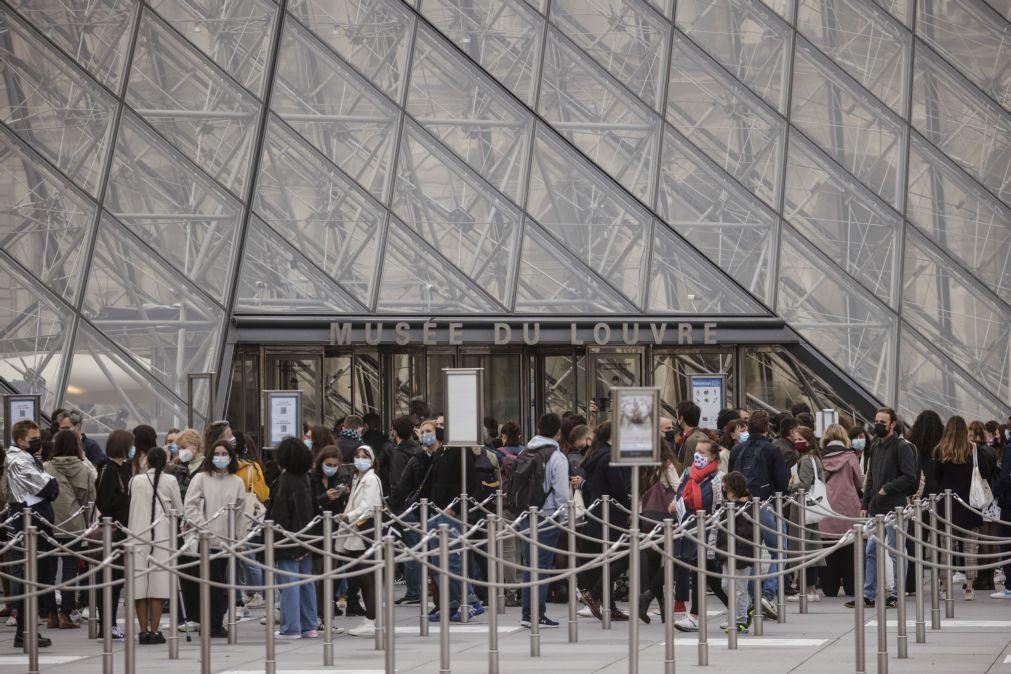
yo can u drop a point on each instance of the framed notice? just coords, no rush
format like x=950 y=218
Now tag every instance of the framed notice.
x=463 y=407
x=709 y=392
x=19 y=406
x=282 y=416
x=635 y=421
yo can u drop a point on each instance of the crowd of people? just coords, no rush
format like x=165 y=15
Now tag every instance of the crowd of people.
x=218 y=483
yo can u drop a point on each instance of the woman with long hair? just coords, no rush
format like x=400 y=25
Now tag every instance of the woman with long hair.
x=366 y=494
x=113 y=500
x=954 y=458
x=809 y=468
x=154 y=493
x=925 y=435
x=844 y=480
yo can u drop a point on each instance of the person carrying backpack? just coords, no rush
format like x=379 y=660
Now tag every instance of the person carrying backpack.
x=541 y=476
x=764 y=468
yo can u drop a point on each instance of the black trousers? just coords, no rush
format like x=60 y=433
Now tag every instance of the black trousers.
x=219 y=596
x=367 y=584
x=837 y=572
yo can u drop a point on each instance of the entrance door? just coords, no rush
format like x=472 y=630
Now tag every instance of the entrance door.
x=302 y=371
x=608 y=368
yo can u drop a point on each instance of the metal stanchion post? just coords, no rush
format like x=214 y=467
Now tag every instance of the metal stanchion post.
x=423 y=582
x=464 y=595
x=173 y=600
x=935 y=569
x=731 y=580
x=573 y=611
x=31 y=601
x=232 y=513
x=500 y=552
x=780 y=547
x=901 y=648
x=205 y=603
x=534 y=589
x=327 y=546
x=880 y=600
x=389 y=616
x=858 y=600
x=758 y=624
x=129 y=596
x=270 y=657
x=802 y=531
x=634 y=579
x=377 y=578
x=700 y=560
x=493 y=597
x=444 y=599
x=92 y=593
x=921 y=627
x=668 y=595
x=605 y=583
x=949 y=571
x=108 y=610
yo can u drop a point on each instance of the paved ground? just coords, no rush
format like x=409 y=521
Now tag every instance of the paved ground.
x=977 y=641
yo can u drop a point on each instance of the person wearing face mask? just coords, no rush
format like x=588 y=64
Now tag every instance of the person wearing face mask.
x=413 y=485
x=189 y=459
x=809 y=468
x=366 y=494
x=29 y=486
x=843 y=480
x=329 y=494
x=113 y=500
x=688 y=415
x=171 y=447
x=212 y=489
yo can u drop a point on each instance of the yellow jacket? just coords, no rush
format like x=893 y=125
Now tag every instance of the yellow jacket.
x=252 y=477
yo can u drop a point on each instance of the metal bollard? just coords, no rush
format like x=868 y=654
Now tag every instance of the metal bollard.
x=780 y=546
x=423 y=583
x=232 y=513
x=444 y=599
x=377 y=577
x=902 y=641
x=758 y=620
x=949 y=559
x=327 y=545
x=605 y=600
x=858 y=598
x=173 y=601
x=668 y=595
x=802 y=573
x=92 y=593
x=634 y=578
x=493 y=597
x=700 y=559
x=731 y=581
x=464 y=595
x=108 y=610
x=921 y=628
x=500 y=552
x=205 y=603
x=129 y=608
x=935 y=569
x=270 y=657
x=31 y=601
x=881 y=592
x=534 y=589
x=573 y=611
x=389 y=615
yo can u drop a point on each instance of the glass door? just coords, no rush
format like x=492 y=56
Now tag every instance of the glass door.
x=297 y=371
x=503 y=385
x=609 y=368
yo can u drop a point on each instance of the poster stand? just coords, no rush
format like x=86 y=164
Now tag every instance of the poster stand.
x=18 y=406
x=282 y=416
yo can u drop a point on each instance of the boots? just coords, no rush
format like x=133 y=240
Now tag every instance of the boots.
x=52 y=621
x=645 y=599
x=65 y=623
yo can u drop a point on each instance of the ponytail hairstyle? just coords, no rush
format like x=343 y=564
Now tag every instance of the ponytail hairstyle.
x=156 y=458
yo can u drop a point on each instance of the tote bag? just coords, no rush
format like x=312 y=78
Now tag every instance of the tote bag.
x=818 y=507
x=980 y=494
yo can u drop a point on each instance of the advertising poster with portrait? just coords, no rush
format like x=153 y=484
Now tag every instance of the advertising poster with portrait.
x=636 y=426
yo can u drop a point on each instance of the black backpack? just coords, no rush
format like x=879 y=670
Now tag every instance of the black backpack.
x=526 y=480
x=486 y=468
x=752 y=463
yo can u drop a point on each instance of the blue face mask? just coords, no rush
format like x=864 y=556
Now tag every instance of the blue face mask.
x=859 y=444
x=308 y=443
x=173 y=449
x=428 y=439
x=329 y=471
x=362 y=464
x=221 y=462
x=743 y=437
x=132 y=453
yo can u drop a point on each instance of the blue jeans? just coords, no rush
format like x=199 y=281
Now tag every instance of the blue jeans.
x=455 y=563
x=545 y=560
x=298 y=604
x=870 y=562
x=770 y=540
x=412 y=568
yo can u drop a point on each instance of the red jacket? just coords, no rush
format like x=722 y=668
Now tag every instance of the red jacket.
x=844 y=480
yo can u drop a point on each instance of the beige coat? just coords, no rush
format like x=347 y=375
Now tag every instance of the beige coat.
x=76 y=478
x=154 y=544
x=207 y=495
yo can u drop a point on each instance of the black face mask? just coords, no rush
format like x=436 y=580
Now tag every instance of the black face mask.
x=669 y=436
x=34 y=445
x=880 y=430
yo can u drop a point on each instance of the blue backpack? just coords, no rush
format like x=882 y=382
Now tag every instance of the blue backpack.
x=755 y=468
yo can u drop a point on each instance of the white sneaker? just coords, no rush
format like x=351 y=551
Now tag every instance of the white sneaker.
x=277 y=617
x=286 y=637
x=958 y=578
x=585 y=612
x=998 y=576
x=188 y=626
x=687 y=624
x=366 y=629
x=1001 y=594
x=255 y=601
x=85 y=613
x=12 y=621
x=242 y=612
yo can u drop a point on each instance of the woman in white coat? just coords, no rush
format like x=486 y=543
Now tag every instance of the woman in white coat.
x=366 y=494
x=153 y=494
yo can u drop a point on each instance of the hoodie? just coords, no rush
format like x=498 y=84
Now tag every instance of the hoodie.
x=77 y=488
x=556 y=475
x=843 y=481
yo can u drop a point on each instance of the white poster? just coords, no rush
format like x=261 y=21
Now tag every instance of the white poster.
x=283 y=418
x=707 y=393
x=463 y=407
x=22 y=409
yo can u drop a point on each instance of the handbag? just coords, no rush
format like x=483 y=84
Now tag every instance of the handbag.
x=816 y=505
x=657 y=498
x=252 y=507
x=578 y=505
x=980 y=494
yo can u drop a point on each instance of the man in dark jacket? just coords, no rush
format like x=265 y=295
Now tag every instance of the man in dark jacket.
x=1002 y=492
x=71 y=420
x=891 y=478
x=399 y=455
x=411 y=484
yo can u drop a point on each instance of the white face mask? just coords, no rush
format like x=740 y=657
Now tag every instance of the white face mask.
x=185 y=454
x=362 y=464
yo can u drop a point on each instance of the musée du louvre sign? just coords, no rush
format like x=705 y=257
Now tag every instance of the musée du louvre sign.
x=530 y=333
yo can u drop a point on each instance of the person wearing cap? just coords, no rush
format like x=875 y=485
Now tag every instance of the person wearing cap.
x=366 y=494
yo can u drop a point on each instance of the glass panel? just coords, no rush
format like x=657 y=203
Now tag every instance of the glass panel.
x=960 y=216
x=782 y=7
x=435 y=363
x=502 y=36
x=553 y=281
x=955 y=315
x=293 y=372
x=234 y=34
x=745 y=38
x=861 y=39
x=774 y=381
x=167 y=325
x=111 y=391
x=276 y=279
x=584 y=105
x=929 y=381
x=461 y=217
x=405 y=372
x=320 y=211
x=971 y=38
x=683 y=282
x=590 y=217
x=721 y=118
x=564 y=384
x=1002 y=7
x=45 y=223
x=200 y=111
x=897 y=8
x=368 y=388
x=335 y=109
x=968 y=127
x=613 y=370
x=371 y=35
x=720 y=218
x=837 y=316
x=95 y=34
x=672 y=372
x=169 y=203
x=416 y=280
x=503 y=387
x=54 y=108
x=36 y=331
x=244 y=397
x=665 y=7
x=837 y=214
x=337 y=388
x=855 y=130
x=623 y=36
x=469 y=114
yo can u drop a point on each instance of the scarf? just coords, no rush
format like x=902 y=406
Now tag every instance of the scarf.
x=692 y=494
x=351 y=433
